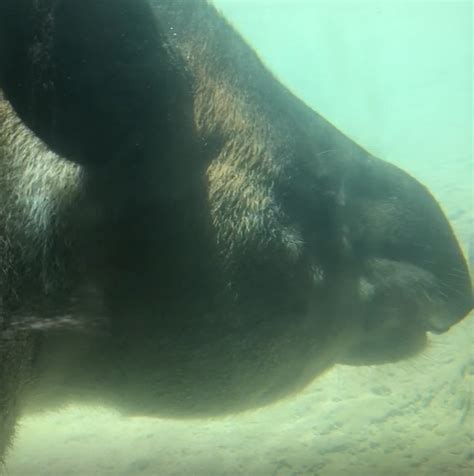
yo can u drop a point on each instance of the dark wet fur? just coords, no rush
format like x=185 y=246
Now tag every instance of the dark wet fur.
x=179 y=234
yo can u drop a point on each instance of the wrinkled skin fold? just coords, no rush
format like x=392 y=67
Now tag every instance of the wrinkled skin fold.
x=179 y=234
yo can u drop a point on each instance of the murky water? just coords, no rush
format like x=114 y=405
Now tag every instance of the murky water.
x=396 y=77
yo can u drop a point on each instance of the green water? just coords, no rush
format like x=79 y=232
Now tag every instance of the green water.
x=397 y=78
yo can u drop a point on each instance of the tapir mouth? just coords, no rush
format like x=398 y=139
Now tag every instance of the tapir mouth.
x=402 y=302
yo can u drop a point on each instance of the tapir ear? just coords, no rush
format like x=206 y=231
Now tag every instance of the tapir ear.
x=92 y=78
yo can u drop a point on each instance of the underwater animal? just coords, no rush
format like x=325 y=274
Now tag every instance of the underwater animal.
x=182 y=236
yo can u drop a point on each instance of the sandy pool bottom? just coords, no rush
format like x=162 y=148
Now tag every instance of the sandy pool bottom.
x=410 y=418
